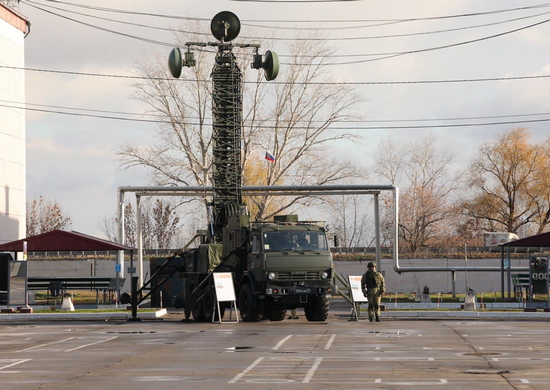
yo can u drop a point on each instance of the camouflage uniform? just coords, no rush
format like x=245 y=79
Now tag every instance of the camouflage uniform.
x=373 y=286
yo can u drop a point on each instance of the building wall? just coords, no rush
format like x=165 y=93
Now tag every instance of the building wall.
x=12 y=127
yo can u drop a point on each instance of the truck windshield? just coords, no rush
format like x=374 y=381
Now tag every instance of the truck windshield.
x=299 y=241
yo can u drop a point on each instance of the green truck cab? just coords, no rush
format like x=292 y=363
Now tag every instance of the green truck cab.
x=288 y=266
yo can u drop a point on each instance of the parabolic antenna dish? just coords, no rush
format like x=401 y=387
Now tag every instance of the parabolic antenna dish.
x=271 y=65
x=175 y=62
x=225 y=26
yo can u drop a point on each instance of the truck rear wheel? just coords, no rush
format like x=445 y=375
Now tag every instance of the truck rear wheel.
x=209 y=307
x=249 y=313
x=197 y=312
x=275 y=314
x=317 y=309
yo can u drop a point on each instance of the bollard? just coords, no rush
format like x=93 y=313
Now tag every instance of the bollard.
x=134 y=289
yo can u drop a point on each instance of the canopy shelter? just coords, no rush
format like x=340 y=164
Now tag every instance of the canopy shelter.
x=537 y=241
x=540 y=240
x=60 y=240
x=54 y=241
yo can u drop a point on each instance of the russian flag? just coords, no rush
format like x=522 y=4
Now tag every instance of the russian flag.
x=269 y=156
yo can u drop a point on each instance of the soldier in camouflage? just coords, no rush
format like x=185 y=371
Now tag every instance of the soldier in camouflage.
x=372 y=284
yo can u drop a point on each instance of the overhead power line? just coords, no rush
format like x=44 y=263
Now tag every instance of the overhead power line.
x=29 y=2
x=355 y=127
x=385 y=56
x=472 y=14
x=98 y=27
x=114 y=20
x=380 y=56
x=387 y=82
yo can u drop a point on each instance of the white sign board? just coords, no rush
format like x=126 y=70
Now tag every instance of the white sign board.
x=356 y=292
x=223 y=282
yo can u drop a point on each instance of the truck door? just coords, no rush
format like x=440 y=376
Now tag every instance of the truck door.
x=254 y=256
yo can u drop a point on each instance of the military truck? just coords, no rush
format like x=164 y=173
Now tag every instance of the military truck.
x=277 y=266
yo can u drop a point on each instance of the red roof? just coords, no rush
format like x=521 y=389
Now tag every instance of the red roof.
x=540 y=240
x=60 y=240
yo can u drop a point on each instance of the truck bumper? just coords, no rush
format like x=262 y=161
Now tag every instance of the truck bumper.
x=281 y=291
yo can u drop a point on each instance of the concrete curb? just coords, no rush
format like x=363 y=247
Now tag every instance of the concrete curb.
x=81 y=316
x=468 y=314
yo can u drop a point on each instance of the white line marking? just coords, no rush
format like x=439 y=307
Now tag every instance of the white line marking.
x=312 y=370
x=495 y=360
x=378 y=380
x=246 y=370
x=281 y=342
x=329 y=344
x=524 y=381
x=481 y=348
x=88 y=345
x=15 y=364
x=377 y=348
x=443 y=381
x=43 y=345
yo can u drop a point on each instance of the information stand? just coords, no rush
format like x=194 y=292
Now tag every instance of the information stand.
x=357 y=296
x=225 y=292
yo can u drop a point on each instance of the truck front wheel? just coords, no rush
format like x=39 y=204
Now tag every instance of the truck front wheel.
x=317 y=309
x=275 y=314
x=249 y=313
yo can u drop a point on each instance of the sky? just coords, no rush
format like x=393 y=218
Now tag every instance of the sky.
x=491 y=49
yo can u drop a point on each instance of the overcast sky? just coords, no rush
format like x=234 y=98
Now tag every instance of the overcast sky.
x=71 y=158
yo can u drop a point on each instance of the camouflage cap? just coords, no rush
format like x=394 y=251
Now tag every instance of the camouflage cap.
x=371 y=264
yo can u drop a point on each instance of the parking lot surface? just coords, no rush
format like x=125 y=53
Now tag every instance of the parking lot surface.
x=294 y=353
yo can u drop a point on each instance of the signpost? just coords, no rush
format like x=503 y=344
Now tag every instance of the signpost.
x=356 y=295
x=225 y=292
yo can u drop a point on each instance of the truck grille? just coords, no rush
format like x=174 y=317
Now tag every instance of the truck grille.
x=309 y=275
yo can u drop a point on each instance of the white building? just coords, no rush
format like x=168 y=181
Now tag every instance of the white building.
x=13 y=29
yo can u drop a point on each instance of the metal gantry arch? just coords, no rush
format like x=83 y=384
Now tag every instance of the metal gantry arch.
x=312 y=190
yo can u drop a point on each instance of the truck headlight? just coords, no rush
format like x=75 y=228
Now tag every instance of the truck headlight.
x=271 y=276
x=324 y=275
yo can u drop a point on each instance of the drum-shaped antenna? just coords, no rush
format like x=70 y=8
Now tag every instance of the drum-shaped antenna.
x=175 y=62
x=225 y=26
x=271 y=65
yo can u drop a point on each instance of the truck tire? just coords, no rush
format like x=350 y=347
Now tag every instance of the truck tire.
x=249 y=313
x=125 y=298
x=209 y=306
x=317 y=309
x=197 y=312
x=275 y=314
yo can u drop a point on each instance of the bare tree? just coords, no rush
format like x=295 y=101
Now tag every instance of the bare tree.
x=109 y=227
x=426 y=188
x=350 y=220
x=160 y=225
x=509 y=183
x=538 y=191
x=165 y=223
x=290 y=119
x=44 y=216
